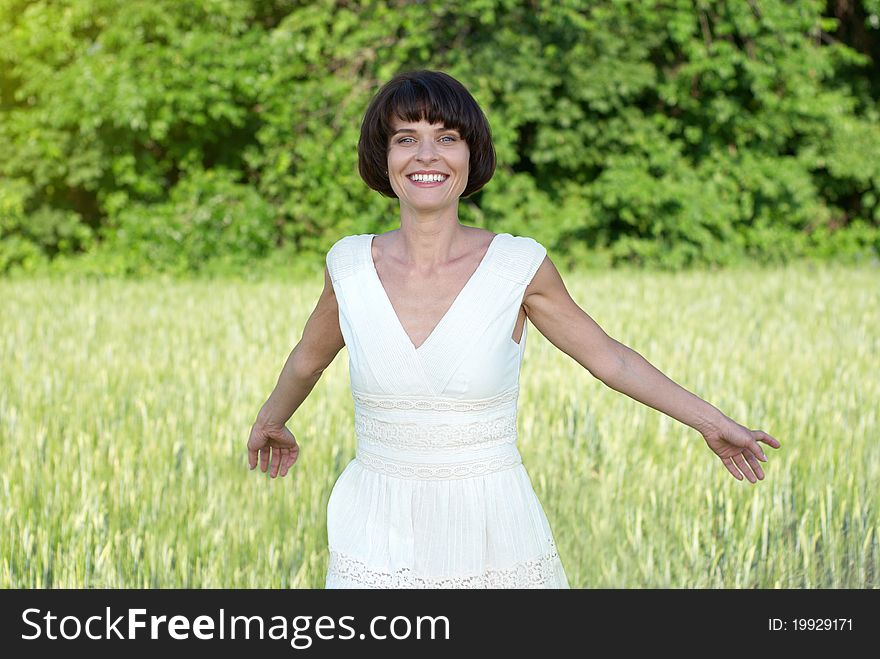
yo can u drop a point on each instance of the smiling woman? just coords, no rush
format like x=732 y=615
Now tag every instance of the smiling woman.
x=433 y=315
x=437 y=495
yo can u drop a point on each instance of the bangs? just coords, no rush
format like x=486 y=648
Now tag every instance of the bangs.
x=435 y=105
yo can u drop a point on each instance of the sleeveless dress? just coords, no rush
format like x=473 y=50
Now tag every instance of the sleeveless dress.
x=437 y=495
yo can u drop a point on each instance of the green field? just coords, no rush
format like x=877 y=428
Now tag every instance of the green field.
x=125 y=409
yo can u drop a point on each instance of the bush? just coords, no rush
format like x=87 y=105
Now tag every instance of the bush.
x=209 y=217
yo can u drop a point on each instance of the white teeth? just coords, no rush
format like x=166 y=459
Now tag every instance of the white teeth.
x=428 y=178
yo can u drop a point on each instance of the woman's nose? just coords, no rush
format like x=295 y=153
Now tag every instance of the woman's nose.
x=427 y=151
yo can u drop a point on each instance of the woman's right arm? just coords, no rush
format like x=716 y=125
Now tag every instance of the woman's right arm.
x=320 y=343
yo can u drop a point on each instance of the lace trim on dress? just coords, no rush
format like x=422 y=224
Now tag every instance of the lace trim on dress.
x=348 y=572
x=478 y=434
x=510 y=457
x=435 y=403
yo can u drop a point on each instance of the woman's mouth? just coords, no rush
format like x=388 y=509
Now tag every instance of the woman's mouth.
x=428 y=181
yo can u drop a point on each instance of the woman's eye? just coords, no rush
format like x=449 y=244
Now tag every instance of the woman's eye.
x=445 y=137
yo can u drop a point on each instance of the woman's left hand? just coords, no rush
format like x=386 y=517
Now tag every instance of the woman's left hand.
x=737 y=446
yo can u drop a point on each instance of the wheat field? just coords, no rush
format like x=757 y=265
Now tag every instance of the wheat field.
x=125 y=409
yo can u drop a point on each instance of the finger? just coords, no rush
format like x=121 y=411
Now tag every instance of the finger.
x=288 y=461
x=741 y=463
x=284 y=453
x=756 y=466
x=276 y=461
x=756 y=450
x=264 y=458
x=252 y=451
x=731 y=468
x=767 y=439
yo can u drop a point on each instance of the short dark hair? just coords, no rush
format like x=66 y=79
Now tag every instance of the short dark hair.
x=435 y=97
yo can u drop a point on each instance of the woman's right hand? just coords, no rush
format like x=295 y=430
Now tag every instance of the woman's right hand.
x=283 y=446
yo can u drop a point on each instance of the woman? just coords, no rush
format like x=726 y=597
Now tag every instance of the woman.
x=433 y=314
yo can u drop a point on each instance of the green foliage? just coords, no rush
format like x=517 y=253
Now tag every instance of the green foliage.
x=30 y=238
x=208 y=216
x=654 y=133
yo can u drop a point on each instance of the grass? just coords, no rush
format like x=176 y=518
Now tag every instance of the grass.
x=125 y=408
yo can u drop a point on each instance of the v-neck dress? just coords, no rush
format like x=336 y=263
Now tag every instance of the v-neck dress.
x=437 y=495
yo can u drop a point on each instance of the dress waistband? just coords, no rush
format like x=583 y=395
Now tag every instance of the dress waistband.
x=426 y=406
x=439 y=465
x=427 y=436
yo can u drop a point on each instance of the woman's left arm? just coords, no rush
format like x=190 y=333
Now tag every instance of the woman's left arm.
x=556 y=315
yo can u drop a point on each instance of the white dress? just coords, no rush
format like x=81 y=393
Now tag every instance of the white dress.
x=437 y=495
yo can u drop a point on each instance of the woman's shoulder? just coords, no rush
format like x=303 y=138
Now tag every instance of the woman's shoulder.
x=346 y=256
x=518 y=257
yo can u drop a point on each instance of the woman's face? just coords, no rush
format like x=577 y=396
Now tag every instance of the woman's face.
x=421 y=146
